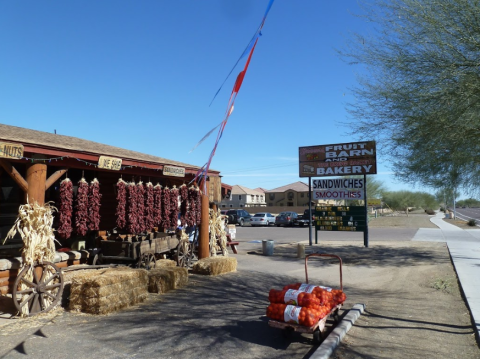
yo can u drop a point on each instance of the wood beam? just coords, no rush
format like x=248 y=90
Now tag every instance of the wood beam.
x=17 y=177
x=36 y=178
x=54 y=177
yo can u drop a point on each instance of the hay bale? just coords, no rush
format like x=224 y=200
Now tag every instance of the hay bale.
x=162 y=280
x=165 y=263
x=215 y=265
x=108 y=290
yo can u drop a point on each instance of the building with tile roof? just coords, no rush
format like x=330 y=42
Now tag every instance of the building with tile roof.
x=243 y=197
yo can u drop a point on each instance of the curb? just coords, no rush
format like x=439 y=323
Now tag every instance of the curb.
x=328 y=346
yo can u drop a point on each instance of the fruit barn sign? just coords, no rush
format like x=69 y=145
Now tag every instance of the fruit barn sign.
x=344 y=159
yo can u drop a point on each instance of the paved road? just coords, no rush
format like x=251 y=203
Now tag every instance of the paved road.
x=468 y=213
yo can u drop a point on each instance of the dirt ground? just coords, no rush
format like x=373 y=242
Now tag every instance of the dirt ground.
x=414 y=308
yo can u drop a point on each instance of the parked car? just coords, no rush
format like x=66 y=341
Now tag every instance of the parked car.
x=304 y=219
x=285 y=219
x=262 y=219
x=238 y=216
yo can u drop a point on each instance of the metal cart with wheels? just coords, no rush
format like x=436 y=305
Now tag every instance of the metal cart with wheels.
x=318 y=330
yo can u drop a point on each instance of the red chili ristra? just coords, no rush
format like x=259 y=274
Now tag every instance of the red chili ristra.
x=121 y=211
x=157 y=199
x=94 y=204
x=132 y=208
x=174 y=207
x=66 y=209
x=192 y=207
x=81 y=208
x=149 y=207
x=166 y=207
x=184 y=203
x=141 y=207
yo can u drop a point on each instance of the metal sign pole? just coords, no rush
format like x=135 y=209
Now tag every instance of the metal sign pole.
x=365 y=232
x=310 y=210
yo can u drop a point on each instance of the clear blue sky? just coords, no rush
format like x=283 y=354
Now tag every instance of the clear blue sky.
x=141 y=75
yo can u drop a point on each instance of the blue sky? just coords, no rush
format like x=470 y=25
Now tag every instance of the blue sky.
x=141 y=75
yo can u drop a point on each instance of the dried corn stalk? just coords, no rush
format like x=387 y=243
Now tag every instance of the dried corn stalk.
x=34 y=223
x=218 y=236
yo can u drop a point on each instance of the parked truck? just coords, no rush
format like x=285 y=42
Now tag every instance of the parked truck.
x=304 y=219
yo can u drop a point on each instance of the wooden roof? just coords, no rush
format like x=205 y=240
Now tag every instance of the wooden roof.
x=44 y=140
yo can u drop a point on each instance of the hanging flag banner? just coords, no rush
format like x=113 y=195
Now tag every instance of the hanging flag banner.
x=344 y=159
x=203 y=171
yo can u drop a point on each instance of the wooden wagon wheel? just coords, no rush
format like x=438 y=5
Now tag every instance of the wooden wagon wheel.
x=184 y=253
x=147 y=261
x=42 y=292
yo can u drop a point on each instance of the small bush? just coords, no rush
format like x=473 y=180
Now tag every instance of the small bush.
x=430 y=211
x=472 y=222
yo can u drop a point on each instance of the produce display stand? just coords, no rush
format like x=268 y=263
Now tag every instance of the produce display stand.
x=318 y=330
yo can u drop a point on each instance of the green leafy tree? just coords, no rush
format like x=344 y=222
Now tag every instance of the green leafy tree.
x=419 y=92
x=406 y=200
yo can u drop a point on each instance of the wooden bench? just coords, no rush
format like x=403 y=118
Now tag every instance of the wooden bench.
x=232 y=244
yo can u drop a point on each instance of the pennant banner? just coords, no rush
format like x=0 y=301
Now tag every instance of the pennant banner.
x=201 y=174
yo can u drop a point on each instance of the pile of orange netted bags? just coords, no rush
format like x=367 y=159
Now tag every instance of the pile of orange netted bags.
x=303 y=304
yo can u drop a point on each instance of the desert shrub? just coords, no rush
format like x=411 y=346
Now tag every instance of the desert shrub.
x=430 y=211
x=472 y=222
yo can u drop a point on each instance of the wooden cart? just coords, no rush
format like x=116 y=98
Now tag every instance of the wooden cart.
x=318 y=329
x=140 y=251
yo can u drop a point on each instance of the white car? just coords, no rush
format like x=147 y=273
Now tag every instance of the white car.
x=262 y=219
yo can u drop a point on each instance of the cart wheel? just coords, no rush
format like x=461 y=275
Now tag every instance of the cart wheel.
x=317 y=336
x=147 y=261
x=37 y=289
x=184 y=254
x=336 y=317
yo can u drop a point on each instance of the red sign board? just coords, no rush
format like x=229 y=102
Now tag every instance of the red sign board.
x=344 y=159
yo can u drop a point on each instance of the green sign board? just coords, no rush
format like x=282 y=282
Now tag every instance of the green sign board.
x=340 y=218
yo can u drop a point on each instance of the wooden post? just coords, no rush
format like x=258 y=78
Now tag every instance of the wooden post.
x=36 y=179
x=204 y=242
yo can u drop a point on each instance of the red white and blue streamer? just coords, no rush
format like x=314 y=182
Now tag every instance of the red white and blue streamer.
x=202 y=173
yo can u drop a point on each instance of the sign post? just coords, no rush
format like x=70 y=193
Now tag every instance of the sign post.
x=344 y=159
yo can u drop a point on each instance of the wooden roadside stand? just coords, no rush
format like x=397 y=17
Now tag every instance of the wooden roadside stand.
x=33 y=164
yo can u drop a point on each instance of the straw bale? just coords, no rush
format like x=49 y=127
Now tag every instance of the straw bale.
x=166 y=263
x=162 y=280
x=107 y=290
x=215 y=265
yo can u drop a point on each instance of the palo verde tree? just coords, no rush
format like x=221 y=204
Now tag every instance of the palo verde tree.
x=419 y=92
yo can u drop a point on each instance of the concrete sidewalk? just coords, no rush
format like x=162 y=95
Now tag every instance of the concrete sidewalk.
x=464 y=247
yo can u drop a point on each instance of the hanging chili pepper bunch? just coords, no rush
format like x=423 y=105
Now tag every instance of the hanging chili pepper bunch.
x=191 y=216
x=121 y=211
x=66 y=208
x=183 y=203
x=81 y=208
x=157 y=204
x=166 y=207
x=94 y=198
x=132 y=208
x=174 y=207
x=149 y=207
x=140 y=207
